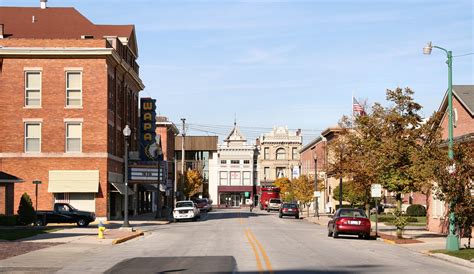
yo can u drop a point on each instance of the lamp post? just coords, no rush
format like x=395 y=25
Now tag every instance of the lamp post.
x=452 y=241
x=126 y=133
x=341 y=147
x=316 y=202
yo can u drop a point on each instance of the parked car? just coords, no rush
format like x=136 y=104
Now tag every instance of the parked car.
x=204 y=204
x=64 y=213
x=289 y=209
x=273 y=204
x=186 y=210
x=351 y=221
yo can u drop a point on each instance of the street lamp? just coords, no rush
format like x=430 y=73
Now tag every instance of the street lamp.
x=316 y=202
x=341 y=147
x=126 y=133
x=452 y=242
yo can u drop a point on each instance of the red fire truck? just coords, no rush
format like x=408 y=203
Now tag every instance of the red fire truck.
x=267 y=193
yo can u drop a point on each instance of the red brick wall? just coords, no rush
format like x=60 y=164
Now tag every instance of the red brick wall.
x=307 y=158
x=167 y=139
x=465 y=122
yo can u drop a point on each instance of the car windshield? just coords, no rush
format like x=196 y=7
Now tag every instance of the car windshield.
x=184 y=204
x=201 y=201
x=275 y=201
x=356 y=213
x=290 y=206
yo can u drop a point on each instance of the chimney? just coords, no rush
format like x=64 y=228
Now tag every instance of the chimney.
x=298 y=132
x=43 y=4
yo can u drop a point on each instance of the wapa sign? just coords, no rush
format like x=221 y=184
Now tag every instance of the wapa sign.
x=148 y=142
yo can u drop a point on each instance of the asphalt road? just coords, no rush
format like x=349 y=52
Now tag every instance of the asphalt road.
x=239 y=241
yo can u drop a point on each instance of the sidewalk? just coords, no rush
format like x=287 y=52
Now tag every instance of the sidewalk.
x=426 y=240
x=56 y=248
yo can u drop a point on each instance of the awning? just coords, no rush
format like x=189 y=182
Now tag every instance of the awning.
x=73 y=181
x=8 y=178
x=149 y=187
x=121 y=188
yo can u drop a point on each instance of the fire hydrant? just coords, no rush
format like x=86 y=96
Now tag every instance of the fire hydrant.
x=101 y=228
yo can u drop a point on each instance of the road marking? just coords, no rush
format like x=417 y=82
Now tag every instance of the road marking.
x=255 y=252
x=262 y=250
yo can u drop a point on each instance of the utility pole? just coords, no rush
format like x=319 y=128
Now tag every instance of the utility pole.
x=183 y=134
x=316 y=202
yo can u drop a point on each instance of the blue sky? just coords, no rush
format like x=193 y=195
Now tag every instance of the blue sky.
x=291 y=63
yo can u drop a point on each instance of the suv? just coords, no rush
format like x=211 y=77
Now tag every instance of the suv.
x=273 y=204
x=186 y=210
x=289 y=209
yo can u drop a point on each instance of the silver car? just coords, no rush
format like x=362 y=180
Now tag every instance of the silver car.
x=274 y=204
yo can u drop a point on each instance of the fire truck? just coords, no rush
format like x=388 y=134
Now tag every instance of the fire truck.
x=267 y=193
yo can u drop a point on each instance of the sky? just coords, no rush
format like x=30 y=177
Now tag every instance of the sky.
x=286 y=63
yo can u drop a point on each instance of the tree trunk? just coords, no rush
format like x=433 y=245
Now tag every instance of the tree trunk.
x=308 y=209
x=399 y=208
x=367 y=209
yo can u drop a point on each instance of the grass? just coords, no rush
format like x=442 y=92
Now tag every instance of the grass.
x=20 y=233
x=466 y=254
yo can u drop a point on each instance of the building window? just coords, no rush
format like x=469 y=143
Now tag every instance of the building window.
x=235 y=178
x=266 y=173
x=73 y=89
x=73 y=137
x=246 y=162
x=223 y=178
x=266 y=153
x=235 y=162
x=294 y=153
x=33 y=89
x=32 y=137
x=280 y=154
x=247 y=179
x=223 y=162
x=280 y=172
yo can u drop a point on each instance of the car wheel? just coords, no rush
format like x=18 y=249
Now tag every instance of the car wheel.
x=335 y=234
x=367 y=236
x=281 y=216
x=39 y=222
x=82 y=223
x=329 y=233
x=361 y=236
x=297 y=216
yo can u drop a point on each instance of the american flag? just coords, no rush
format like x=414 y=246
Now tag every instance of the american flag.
x=356 y=107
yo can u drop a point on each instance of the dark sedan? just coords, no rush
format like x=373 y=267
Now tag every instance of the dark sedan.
x=288 y=209
x=350 y=221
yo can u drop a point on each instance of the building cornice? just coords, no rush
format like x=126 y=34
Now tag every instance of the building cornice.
x=57 y=52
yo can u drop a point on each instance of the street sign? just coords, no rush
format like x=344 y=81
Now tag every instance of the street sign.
x=37 y=182
x=376 y=190
x=317 y=194
x=247 y=194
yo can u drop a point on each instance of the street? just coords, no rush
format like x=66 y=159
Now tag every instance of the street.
x=240 y=241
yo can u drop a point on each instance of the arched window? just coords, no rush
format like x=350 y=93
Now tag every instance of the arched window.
x=280 y=154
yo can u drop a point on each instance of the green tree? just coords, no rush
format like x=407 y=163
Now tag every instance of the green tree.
x=192 y=183
x=26 y=211
x=455 y=186
x=350 y=194
x=287 y=193
x=304 y=190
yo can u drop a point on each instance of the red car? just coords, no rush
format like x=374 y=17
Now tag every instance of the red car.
x=351 y=221
x=289 y=209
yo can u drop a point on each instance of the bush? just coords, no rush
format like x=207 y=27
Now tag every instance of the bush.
x=386 y=218
x=26 y=212
x=8 y=220
x=416 y=210
x=412 y=219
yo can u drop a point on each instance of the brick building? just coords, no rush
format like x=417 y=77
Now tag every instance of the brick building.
x=68 y=87
x=463 y=131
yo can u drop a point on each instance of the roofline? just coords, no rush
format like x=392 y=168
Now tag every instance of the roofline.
x=325 y=132
x=444 y=103
x=171 y=124
x=312 y=143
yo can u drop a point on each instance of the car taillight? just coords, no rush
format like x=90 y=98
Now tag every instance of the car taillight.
x=285 y=209
x=341 y=221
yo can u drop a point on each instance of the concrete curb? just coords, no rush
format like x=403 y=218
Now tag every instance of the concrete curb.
x=129 y=237
x=452 y=259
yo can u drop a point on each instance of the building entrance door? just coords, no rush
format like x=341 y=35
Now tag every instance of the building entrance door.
x=231 y=199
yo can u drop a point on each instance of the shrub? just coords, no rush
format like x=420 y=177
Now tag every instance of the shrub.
x=416 y=210
x=26 y=212
x=8 y=220
x=412 y=219
x=386 y=218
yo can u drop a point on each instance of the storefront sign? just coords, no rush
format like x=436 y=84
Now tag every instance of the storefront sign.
x=149 y=146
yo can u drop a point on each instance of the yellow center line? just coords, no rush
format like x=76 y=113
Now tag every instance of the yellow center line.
x=255 y=252
x=262 y=250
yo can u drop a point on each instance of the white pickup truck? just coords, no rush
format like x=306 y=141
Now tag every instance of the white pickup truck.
x=186 y=210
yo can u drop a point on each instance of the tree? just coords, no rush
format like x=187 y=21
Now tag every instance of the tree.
x=350 y=194
x=287 y=193
x=192 y=183
x=455 y=186
x=26 y=212
x=303 y=189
